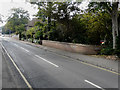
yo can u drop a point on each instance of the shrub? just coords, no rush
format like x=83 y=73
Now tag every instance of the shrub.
x=117 y=50
x=22 y=39
x=39 y=42
x=107 y=51
x=30 y=40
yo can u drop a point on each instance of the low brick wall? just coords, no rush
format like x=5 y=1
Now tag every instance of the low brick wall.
x=78 y=48
x=15 y=37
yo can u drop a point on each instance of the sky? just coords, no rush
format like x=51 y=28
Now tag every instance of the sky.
x=7 y=5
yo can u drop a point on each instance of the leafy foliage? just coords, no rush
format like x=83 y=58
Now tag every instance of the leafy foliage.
x=63 y=21
x=117 y=50
x=17 y=20
x=59 y=24
x=1 y=21
x=98 y=27
x=107 y=51
x=112 y=9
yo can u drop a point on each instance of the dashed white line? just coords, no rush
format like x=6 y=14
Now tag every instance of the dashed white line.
x=47 y=61
x=16 y=45
x=24 y=49
x=39 y=57
x=94 y=85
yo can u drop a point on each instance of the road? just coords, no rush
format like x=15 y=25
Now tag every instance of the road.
x=0 y=65
x=44 y=69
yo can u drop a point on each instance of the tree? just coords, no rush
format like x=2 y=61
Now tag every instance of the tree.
x=56 y=13
x=119 y=23
x=45 y=12
x=98 y=27
x=114 y=15
x=17 y=20
x=112 y=9
x=1 y=18
x=19 y=30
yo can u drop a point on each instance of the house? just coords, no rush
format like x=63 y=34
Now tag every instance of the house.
x=32 y=23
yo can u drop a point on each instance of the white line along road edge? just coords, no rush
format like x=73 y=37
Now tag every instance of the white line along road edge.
x=47 y=61
x=28 y=84
x=94 y=84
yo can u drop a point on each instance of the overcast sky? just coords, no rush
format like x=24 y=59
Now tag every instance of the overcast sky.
x=6 y=5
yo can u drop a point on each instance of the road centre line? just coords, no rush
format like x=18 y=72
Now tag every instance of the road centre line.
x=91 y=65
x=24 y=49
x=47 y=61
x=39 y=57
x=16 y=45
x=94 y=84
x=25 y=80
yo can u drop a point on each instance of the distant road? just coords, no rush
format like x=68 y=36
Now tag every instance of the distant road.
x=43 y=69
x=0 y=65
x=9 y=76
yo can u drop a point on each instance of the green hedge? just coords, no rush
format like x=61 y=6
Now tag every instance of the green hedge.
x=117 y=50
x=107 y=51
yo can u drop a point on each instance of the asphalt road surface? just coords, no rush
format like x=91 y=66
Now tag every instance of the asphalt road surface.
x=44 y=69
x=0 y=65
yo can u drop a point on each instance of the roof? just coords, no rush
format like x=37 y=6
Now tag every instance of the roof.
x=33 y=21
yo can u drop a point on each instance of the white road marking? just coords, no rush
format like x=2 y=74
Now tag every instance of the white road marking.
x=24 y=49
x=16 y=45
x=47 y=61
x=25 y=80
x=94 y=84
x=39 y=57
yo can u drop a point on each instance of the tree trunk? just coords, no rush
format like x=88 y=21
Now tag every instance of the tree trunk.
x=49 y=18
x=114 y=22
x=20 y=36
x=49 y=23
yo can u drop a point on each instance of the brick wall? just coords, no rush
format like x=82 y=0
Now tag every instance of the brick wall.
x=78 y=48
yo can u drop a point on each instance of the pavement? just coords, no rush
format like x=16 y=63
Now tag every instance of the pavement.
x=97 y=61
x=43 y=68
